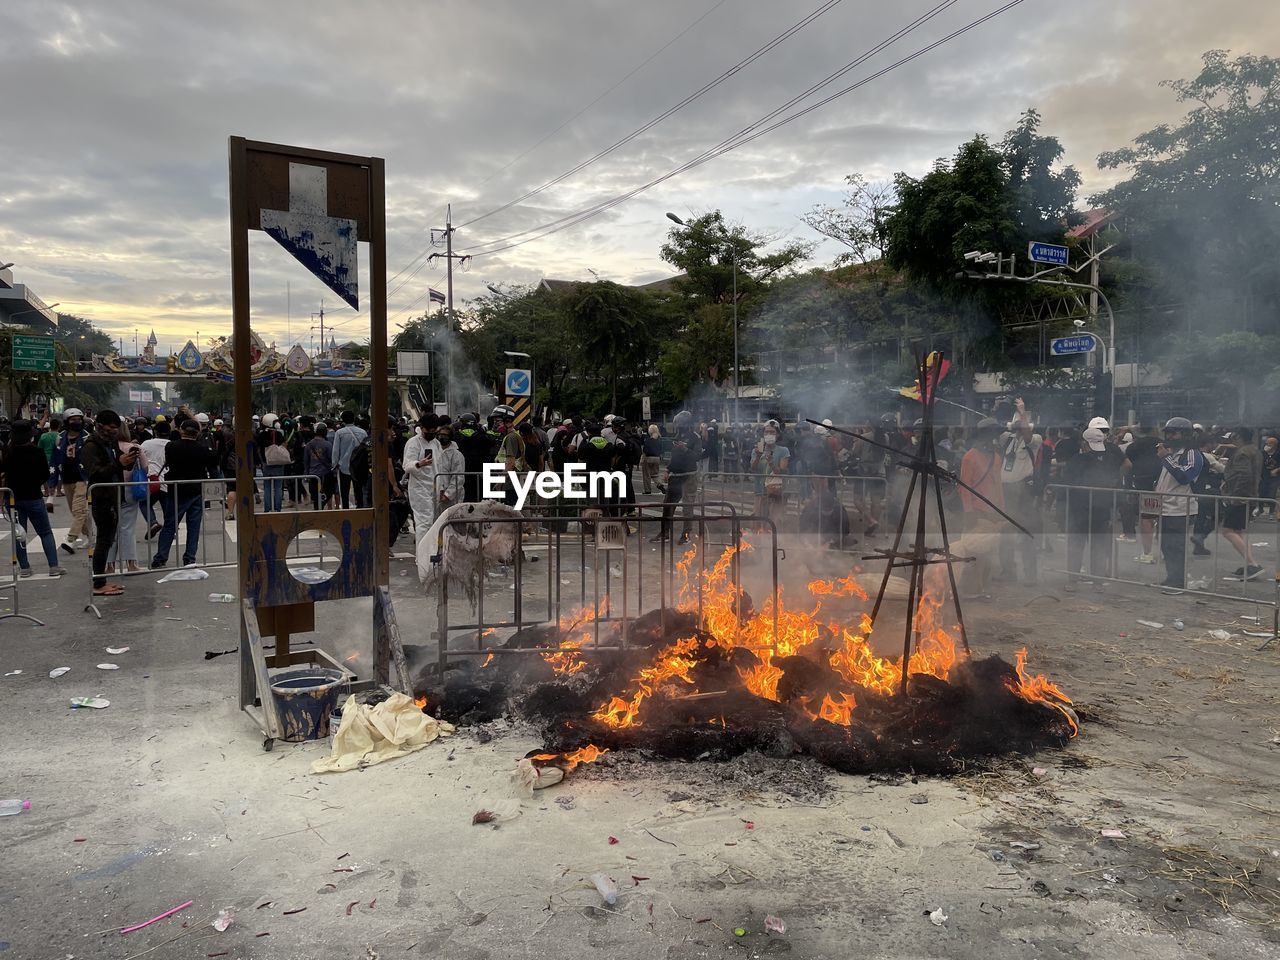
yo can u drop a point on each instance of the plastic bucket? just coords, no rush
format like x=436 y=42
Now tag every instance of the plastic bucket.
x=304 y=700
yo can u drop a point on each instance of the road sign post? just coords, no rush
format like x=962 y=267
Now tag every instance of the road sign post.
x=1069 y=346
x=517 y=386
x=1053 y=253
x=34 y=354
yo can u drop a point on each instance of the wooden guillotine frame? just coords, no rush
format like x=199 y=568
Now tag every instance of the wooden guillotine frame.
x=314 y=200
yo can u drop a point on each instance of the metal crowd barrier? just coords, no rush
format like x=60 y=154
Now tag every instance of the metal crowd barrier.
x=1088 y=521
x=863 y=501
x=10 y=584
x=216 y=547
x=598 y=608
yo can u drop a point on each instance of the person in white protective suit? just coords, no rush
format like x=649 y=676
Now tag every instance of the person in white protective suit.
x=419 y=471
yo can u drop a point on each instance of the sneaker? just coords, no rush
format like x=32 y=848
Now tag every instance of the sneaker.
x=1252 y=573
x=26 y=572
x=1200 y=551
x=1238 y=572
x=1124 y=539
x=152 y=531
x=159 y=564
x=68 y=546
x=56 y=572
x=1144 y=558
x=82 y=543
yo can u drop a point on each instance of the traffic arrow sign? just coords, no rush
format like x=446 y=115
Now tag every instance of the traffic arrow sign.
x=1081 y=343
x=323 y=244
x=34 y=354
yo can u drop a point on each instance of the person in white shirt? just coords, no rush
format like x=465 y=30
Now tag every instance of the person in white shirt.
x=1020 y=449
x=153 y=453
x=419 y=455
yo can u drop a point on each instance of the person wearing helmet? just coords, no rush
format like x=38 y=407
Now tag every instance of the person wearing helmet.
x=1100 y=423
x=1181 y=464
x=681 y=477
x=473 y=443
x=1095 y=471
x=1021 y=450
x=68 y=454
x=1141 y=469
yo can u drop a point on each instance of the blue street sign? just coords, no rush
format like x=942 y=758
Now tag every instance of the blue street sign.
x=1080 y=343
x=518 y=383
x=1048 y=253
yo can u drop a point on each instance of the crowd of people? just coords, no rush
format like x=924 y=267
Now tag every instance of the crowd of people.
x=1153 y=485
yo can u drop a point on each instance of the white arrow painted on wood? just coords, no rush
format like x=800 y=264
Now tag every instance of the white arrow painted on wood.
x=323 y=244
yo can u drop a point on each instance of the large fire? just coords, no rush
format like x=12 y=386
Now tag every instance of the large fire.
x=847 y=651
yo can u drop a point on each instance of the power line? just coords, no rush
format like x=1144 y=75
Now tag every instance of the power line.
x=736 y=68
x=851 y=65
x=648 y=60
x=581 y=216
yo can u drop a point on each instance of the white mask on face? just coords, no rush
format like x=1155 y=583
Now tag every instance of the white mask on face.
x=770 y=439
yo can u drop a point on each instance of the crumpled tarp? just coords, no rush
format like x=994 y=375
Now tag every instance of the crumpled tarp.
x=374 y=734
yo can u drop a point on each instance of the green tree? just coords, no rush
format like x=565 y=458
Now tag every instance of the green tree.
x=859 y=222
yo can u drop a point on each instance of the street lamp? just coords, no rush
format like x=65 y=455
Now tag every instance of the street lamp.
x=734 y=260
x=1048 y=277
x=23 y=313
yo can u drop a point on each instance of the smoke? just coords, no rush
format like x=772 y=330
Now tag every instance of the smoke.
x=463 y=389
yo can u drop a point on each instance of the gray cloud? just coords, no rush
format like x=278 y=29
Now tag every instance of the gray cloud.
x=115 y=202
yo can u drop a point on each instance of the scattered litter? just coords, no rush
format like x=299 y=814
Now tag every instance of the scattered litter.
x=108 y=666
x=1111 y=878
x=998 y=856
x=80 y=840
x=483 y=816
x=1112 y=834
x=565 y=803
x=1038 y=771
x=774 y=924
x=919 y=798
x=289 y=913
x=1261 y=543
x=174 y=619
x=1257 y=633
x=224 y=919
x=1252 y=619
x=1025 y=845
x=92 y=703
x=1202 y=584
x=118 y=650
x=739 y=931
x=607 y=886
x=938 y=918
x=1179 y=625
x=1041 y=888
x=1220 y=634
x=1152 y=624
x=612 y=841
x=56 y=672
x=186 y=573
x=749 y=824
x=351 y=906
x=167 y=913
x=636 y=880
x=13 y=673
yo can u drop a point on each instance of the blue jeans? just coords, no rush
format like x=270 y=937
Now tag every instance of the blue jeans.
x=190 y=507
x=38 y=514
x=273 y=492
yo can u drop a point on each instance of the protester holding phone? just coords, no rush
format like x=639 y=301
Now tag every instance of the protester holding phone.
x=419 y=471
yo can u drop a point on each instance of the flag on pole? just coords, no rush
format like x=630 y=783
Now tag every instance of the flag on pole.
x=436 y=295
x=936 y=368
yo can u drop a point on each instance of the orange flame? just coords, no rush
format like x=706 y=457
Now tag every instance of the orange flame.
x=487 y=660
x=420 y=702
x=1039 y=689
x=588 y=754
x=673 y=662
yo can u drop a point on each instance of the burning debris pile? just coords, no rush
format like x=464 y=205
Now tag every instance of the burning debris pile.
x=716 y=686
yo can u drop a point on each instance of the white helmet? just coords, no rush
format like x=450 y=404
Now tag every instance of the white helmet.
x=217 y=423
x=269 y=419
x=72 y=412
x=202 y=418
x=1099 y=423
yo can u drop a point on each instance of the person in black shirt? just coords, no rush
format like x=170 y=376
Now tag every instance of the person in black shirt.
x=682 y=476
x=26 y=470
x=104 y=463
x=185 y=459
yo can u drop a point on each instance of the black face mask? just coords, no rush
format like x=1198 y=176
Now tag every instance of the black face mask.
x=444 y=441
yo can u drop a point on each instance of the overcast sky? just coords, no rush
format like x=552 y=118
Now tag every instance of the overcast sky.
x=114 y=192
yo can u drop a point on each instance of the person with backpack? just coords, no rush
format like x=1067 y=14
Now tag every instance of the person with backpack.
x=276 y=461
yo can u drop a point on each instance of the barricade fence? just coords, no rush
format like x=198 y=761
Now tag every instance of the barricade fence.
x=836 y=510
x=1201 y=543
x=184 y=524
x=610 y=567
x=17 y=546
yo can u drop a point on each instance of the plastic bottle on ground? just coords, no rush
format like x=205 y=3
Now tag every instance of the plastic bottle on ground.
x=9 y=808
x=222 y=598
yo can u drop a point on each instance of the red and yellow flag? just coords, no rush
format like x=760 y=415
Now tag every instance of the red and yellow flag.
x=936 y=367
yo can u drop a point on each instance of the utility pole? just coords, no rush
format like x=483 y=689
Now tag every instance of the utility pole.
x=449 y=393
